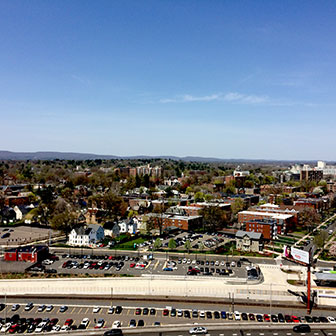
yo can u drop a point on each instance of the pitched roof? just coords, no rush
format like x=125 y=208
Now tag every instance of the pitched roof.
x=251 y=235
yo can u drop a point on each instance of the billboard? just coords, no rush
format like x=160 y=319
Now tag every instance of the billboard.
x=295 y=254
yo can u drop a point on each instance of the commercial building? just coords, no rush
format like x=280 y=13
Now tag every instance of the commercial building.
x=27 y=253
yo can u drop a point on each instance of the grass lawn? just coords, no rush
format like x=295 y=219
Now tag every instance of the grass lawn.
x=129 y=245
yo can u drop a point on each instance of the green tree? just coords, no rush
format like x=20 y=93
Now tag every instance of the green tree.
x=321 y=239
x=201 y=246
x=237 y=206
x=157 y=244
x=187 y=245
x=64 y=222
x=199 y=197
x=172 y=244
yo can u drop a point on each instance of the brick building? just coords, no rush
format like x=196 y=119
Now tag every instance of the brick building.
x=283 y=221
x=267 y=227
x=185 y=223
x=27 y=253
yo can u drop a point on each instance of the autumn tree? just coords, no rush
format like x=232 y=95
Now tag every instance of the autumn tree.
x=309 y=218
x=214 y=218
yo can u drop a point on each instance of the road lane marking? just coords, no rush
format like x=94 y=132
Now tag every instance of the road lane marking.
x=275 y=334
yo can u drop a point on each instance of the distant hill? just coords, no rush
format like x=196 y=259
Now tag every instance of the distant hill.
x=7 y=155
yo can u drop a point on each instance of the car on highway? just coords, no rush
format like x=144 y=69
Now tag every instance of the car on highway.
x=198 y=330
x=302 y=328
x=113 y=332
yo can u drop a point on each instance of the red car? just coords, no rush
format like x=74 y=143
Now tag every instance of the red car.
x=266 y=318
x=295 y=319
x=13 y=328
x=111 y=257
x=165 y=312
x=68 y=322
x=132 y=265
x=138 y=311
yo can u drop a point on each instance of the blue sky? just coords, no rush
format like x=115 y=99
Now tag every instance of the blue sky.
x=229 y=79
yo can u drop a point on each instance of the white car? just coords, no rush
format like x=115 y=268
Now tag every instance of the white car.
x=233 y=264
x=5 y=327
x=96 y=309
x=198 y=330
x=65 y=328
x=202 y=314
x=85 y=322
x=116 y=324
x=100 y=323
x=29 y=306
x=331 y=319
x=49 y=308
x=110 y=310
x=179 y=313
x=40 y=327
x=55 y=328
x=237 y=315
x=41 y=308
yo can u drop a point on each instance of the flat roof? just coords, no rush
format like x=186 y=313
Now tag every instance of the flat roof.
x=269 y=214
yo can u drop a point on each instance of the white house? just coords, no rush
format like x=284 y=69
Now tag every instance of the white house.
x=130 y=226
x=86 y=236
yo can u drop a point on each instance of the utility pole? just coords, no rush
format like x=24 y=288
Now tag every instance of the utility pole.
x=308 y=288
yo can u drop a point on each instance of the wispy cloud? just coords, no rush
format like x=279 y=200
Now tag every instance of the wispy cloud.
x=81 y=79
x=232 y=97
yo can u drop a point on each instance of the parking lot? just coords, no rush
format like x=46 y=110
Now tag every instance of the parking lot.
x=23 y=234
x=208 y=241
x=144 y=265
x=102 y=316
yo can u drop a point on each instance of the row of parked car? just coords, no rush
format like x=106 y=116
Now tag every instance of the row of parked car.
x=17 y=324
x=93 y=265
